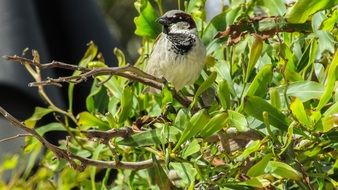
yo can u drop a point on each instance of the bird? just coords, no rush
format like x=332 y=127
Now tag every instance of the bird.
x=178 y=54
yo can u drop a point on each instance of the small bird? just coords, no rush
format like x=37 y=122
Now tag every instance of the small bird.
x=178 y=54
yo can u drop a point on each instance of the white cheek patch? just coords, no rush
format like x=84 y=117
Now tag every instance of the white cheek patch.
x=180 y=26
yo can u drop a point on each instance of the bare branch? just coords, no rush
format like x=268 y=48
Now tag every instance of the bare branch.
x=108 y=135
x=14 y=137
x=130 y=72
x=72 y=158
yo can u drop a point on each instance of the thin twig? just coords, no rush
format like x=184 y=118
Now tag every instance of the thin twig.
x=129 y=71
x=71 y=157
x=108 y=135
x=14 y=137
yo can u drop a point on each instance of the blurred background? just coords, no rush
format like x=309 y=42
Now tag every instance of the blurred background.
x=60 y=30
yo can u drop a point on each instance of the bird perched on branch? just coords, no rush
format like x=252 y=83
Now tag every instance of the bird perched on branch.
x=178 y=54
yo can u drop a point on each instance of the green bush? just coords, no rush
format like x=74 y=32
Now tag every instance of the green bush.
x=263 y=114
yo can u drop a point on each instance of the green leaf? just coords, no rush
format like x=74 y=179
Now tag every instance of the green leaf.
x=274 y=8
x=237 y=120
x=9 y=162
x=126 y=104
x=251 y=148
x=304 y=90
x=88 y=57
x=181 y=119
x=121 y=59
x=196 y=8
x=158 y=176
x=255 y=53
x=223 y=94
x=98 y=99
x=330 y=83
x=193 y=127
x=146 y=25
x=39 y=112
x=191 y=148
x=158 y=136
x=218 y=23
x=303 y=9
x=255 y=106
x=186 y=173
x=329 y=23
x=95 y=156
x=87 y=120
x=297 y=109
x=259 y=167
x=329 y=122
x=275 y=98
x=215 y=124
x=50 y=127
x=259 y=85
x=258 y=182
x=204 y=86
x=282 y=170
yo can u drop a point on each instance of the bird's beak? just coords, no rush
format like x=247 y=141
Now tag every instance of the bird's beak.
x=163 y=20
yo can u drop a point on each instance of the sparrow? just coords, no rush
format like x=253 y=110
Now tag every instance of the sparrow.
x=178 y=54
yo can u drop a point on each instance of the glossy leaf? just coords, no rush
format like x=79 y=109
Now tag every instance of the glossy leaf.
x=304 y=90
x=158 y=176
x=218 y=23
x=255 y=106
x=38 y=114
x=193 y=127
x=258 y=182
x=259 y=85
x=126 y=104
x=237 y=120
x=297 y=109
x=255 y=53
x=215 y=124
x=146 y=25
x=282 y=170
x=87 y=120
x=190 y=149
x=87 y=58
x=259 y=167
x=273 y=8
x=303 y=9
x=330 y=83
x=223 y=94
x=185 y=171
x=204 y=86
x=251 y=148
x=156 y=136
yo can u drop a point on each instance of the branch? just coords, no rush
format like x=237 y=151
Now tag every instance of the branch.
x=14 y=137
x=108 y=135
x=130 y=72
x=265 y=27
x=71 y=157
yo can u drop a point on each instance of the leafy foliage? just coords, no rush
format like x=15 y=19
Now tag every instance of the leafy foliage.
x=264 y=113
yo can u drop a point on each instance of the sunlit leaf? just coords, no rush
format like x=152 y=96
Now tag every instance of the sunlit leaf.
x=156 y=136
x=282 y=170
x=215 y=124
x=303 y=9
x=204 y=86
x=330 y=83
x=297 y=109
x=255 y=106
x=146 y=25
x=87 y=120
x=38 y=114
x=259 y=85
x=259 y=167
x=255 y=53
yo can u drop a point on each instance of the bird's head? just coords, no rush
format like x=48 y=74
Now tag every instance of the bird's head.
x=177 y=21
